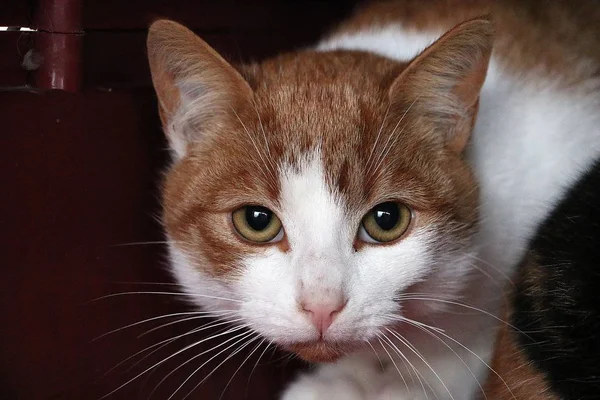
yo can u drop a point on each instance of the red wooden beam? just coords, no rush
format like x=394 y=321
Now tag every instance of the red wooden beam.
x=58 y=43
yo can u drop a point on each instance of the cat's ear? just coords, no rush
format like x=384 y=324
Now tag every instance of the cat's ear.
x=194 y=84
x=443 y=83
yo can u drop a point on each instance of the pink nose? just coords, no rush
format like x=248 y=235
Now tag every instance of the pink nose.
x=322 y=315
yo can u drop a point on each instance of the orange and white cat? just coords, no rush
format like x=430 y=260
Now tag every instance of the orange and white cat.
x=362 y=203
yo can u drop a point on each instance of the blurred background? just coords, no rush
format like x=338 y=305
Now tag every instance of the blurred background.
x=81 y=155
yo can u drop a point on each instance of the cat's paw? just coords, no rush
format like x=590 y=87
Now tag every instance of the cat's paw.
x=318 y=387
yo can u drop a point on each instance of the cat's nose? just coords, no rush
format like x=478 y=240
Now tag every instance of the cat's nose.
x=323 y=314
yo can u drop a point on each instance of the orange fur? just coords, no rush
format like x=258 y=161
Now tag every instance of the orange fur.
x=547 y=36
x=516 y=378
x=297 y=102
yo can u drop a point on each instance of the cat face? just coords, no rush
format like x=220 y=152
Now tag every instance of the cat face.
x=312 y=193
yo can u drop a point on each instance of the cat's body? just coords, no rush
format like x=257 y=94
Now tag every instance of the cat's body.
x=551 y=350
x=321 y=137
x=529 y=144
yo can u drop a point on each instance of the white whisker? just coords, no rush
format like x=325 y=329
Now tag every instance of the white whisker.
x=269 y=156
x=393 y=362
x=167 y=294
x=260 y=167
x=162 y=344
x=209 y=315
x=420 y=356
x=480 y=359
x=453 y=351
x=412 y=297
x=257 y=361
x=193 y=331
x=411 y=365
x=495 y=268
x=385 y=148
x=218 y=365
x=141 y=243
x=376 y=355
x=367 y=163
x=152 y=319
x=240 y=336
x=240 y=367
x=419 y=375
x=170 y=357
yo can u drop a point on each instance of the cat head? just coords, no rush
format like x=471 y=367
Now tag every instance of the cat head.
x=312 y=193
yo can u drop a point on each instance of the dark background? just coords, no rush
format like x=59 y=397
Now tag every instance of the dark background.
x=80 y=172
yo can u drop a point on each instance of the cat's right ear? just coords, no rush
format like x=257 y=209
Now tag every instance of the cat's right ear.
x=194 y=84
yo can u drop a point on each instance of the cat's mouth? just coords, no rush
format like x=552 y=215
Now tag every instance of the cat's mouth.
x=321 y=351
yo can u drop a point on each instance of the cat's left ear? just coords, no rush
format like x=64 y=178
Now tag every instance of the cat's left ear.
x=443 y=83
x=195 y=86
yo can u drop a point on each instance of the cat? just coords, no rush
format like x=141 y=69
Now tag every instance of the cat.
x=362 y=203
x=550 y=350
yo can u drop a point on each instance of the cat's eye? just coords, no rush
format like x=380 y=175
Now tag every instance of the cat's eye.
x=257 y=224
x=385 y=222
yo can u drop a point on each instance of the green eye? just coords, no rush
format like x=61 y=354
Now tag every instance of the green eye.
x=257 y=224
x=385 y=222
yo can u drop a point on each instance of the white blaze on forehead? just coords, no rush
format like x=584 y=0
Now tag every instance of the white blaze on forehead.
x=315 y=224
x=311 y=212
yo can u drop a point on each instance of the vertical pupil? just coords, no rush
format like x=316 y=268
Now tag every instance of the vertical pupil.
x=258 y=217
x=387 y=215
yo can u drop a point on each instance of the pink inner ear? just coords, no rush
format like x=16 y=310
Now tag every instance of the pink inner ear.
x=176 y=56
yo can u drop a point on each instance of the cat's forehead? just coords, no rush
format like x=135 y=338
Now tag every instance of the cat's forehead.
x=310 y=110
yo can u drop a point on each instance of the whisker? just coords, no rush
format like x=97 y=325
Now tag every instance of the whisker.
x=166 y=294
x=193 y=331
x=257 y=361
x=168 y=358
x=489 y=314
x=214 y=369
x=495 y=268
x=148 y=320
x=415 y=370
x=418 y=354
x=209 y=315
x=480 y=359
x=376 y=355
x=454 y=352
x=147 y=283
x=240 y=336
x=240 y=367
x=162 y=342
x=419 y=375
x=408 y=320
x=393 y=362
x=260 y=167
x=262 y=128
x=381 y=157
x=141 y=243
x=367 y=163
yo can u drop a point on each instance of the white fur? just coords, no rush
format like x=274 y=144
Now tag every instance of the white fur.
x=323 y=264
x=531 y=142
x=392 y=42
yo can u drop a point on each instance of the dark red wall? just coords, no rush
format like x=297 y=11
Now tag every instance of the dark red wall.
x=80 y=175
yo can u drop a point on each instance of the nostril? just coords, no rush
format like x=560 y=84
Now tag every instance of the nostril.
x=305 y=307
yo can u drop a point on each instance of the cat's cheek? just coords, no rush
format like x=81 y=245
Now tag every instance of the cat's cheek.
x=269 y=289
x=199 y=287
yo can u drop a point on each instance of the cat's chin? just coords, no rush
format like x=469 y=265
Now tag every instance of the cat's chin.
x=321 y=351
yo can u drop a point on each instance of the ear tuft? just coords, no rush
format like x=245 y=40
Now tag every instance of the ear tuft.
x=445 y=80
x=192 y=82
